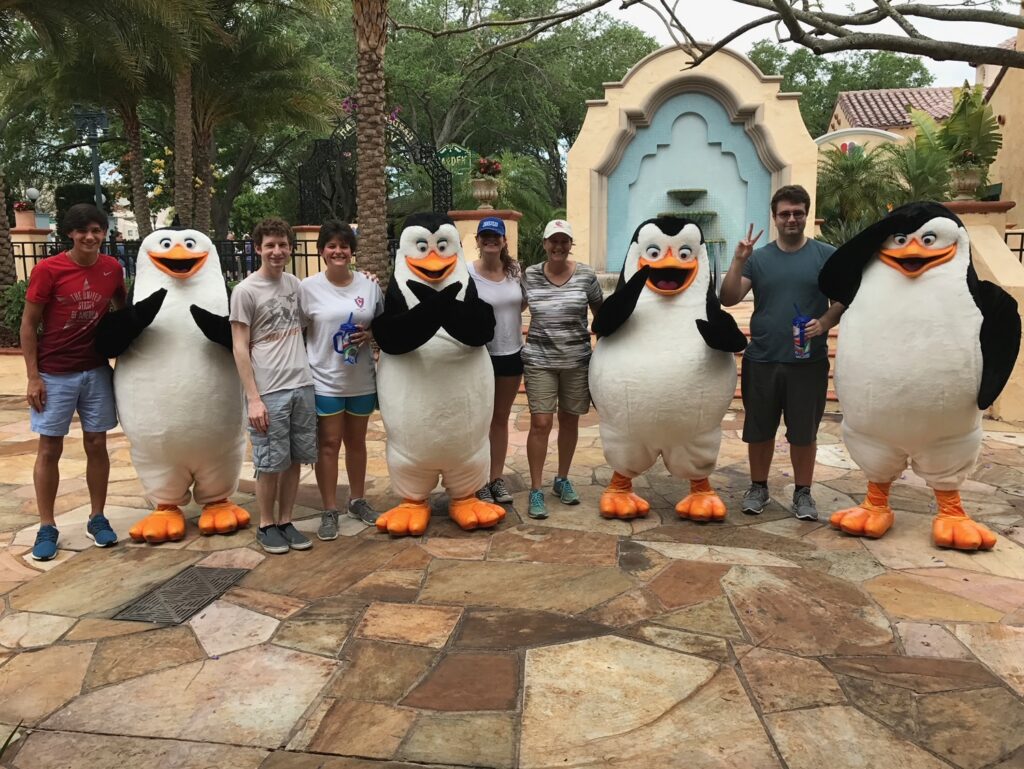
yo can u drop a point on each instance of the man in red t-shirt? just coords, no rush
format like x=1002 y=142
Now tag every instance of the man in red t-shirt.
x=68 y=294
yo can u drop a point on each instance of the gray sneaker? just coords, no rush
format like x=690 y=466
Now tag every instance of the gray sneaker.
x=296 y=539
x=328 y=525
x=360 y=508
x=803 y=505
x=484 y=494
x=500 y=492
x=272 y=540
x=755 y=499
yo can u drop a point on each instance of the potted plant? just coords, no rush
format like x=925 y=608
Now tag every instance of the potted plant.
x=484 y=179
x=24 y=214
x=967 y=172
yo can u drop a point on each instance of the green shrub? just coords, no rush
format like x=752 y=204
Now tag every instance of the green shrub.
x=12 y=305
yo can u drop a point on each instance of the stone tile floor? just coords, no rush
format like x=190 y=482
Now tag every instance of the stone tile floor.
x=575 y=641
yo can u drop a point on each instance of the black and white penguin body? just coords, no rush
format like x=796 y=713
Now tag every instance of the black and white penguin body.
x=660 y=386
x=179 y=398
x=917 y=358
x=434 y=378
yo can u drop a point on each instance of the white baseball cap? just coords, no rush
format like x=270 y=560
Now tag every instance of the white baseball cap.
x=558 y=225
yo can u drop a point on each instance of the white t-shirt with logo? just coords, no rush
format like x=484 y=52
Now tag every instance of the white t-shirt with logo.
x=326 y=307
x=506 y=298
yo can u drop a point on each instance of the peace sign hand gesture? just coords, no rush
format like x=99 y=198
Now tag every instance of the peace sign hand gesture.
x=746 y=246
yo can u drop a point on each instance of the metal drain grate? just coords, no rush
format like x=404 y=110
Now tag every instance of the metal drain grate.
x=182 y=595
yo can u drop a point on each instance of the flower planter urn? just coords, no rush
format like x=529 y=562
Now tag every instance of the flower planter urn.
x=966 y=181
x=485 y=191
x=25 y=219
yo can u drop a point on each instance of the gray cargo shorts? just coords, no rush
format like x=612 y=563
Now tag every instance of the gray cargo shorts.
x=291 y=439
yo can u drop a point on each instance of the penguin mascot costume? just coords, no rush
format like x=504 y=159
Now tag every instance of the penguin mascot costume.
x=434 y=379
x=925 y=347
x=663 y=372
x=178 y=395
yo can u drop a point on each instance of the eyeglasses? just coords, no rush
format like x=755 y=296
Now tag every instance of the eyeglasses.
x=791 y=215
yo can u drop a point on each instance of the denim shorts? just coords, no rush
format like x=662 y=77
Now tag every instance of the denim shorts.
x=291 y=439
x=90 y=393
x=356 y=405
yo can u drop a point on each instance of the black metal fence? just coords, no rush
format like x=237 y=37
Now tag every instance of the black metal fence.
x=238 y=258
x=1015 y=242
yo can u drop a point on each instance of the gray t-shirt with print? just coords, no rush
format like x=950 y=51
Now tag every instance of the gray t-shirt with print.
x=558 y=337
x=273 y=313
x=781 y=282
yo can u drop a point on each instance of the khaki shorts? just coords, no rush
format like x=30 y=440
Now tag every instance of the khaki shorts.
x=553 y=389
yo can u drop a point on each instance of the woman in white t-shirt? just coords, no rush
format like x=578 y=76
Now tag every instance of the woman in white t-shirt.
x=346 y=392
x=496 y=275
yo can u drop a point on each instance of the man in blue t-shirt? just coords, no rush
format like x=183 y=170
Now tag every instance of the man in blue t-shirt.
x=774 y=381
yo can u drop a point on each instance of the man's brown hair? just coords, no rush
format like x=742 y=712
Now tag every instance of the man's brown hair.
x=272 y=226
x=791 y=193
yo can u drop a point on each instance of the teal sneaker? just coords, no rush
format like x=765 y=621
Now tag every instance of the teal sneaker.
x=537 y=507
x=563 y=489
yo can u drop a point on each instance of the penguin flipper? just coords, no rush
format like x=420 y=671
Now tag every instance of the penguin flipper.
x=118 y=329
x=216 y=328
x=1000 y=339
x=398 y=329
x=470 y=321
x=720 y=331
x=616 y=309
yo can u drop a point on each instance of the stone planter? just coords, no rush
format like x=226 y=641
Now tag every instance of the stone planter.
x=966 y=180
x=485 y=191
x=25 y=219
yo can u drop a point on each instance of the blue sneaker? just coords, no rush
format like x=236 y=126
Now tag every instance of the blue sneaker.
x=564 y=490
x=45 y=547
x=537 y=507
x=99 y=531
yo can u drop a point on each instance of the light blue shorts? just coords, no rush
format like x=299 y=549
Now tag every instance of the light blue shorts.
x=90 y=393
x=356 y=405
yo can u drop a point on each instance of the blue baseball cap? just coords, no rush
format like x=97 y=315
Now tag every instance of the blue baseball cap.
x=491 y=224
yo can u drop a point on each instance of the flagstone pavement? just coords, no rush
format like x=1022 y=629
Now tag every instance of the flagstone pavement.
x=571 y=642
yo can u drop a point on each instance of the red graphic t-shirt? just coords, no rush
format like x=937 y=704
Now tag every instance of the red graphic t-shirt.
x=75 y=299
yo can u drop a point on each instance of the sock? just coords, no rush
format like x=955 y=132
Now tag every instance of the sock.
x=264 y=528
x=798 y=488
x=762 y=484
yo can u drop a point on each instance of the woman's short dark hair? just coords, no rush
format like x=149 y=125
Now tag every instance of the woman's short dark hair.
x=332 y=229
x=81 y=215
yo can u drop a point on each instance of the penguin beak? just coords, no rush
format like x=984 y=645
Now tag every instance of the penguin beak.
x=670 y=275
x=179 y=262
x=433 y=267
x=915 y=259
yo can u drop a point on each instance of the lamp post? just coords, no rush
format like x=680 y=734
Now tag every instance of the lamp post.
x=90 y=125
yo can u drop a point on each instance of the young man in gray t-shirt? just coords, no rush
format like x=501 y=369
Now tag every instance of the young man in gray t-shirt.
x=774 y=382
x=266 y=335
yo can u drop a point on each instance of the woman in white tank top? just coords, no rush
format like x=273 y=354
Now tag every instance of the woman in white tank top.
x=496 y=275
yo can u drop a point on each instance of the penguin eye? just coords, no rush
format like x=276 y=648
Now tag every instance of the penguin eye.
x=652 y=252
x=165 y=243
x=442 y=246
x=422 y=246
x=900 y=239
x=190 y=243
x=685 y=252
x=929 y=238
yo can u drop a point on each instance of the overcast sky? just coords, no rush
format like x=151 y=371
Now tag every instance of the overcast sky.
x=719 y=17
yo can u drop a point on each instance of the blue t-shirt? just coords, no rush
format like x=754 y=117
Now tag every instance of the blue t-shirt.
x=780 y=280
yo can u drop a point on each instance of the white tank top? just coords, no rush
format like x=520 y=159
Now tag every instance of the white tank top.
x=506 y=297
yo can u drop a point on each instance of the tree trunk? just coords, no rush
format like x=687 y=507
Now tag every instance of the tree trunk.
x=231 y=186
x=136 y=174
x=204 y=193
x=183 y=168
x=8 y=271
x=369 y=18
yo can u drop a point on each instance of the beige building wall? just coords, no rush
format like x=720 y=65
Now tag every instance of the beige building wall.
x=1007 y=102
x=771 y=119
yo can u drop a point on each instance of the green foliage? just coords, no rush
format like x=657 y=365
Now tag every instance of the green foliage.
x=972 y=128
x=917 y=170
x=853 y=185
x=819 y=79
x=252 y=206
x=12 y=305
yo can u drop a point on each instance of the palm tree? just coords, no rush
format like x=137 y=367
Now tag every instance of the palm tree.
x=370 y=21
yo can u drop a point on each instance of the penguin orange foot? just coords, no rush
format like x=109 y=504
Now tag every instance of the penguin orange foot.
x=872 y=518
x=619 y=501
x=953 y=528
x=471 y=513
x=409 y=518
x=222 y=517
x=165 y=524
x=702 y=503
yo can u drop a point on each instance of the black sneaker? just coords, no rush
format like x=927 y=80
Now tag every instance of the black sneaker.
x=272 y=540
x=484 y=494
x=500 y=491
x=296 y=539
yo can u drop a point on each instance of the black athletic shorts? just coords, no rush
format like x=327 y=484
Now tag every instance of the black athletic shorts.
x=507 y=365
x=771 y=390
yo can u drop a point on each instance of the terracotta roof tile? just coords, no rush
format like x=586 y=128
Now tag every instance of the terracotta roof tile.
x=890 y=107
